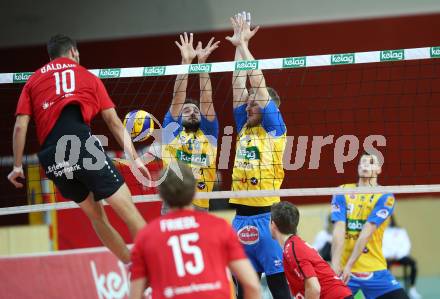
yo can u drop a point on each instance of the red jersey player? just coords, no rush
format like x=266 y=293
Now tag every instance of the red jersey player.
x=185 y=253
x=63 y=98
x=309 y=276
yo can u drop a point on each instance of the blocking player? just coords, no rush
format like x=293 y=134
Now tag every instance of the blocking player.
x=359 y=224
x=184 y=254
x=195 y=141
x=64 y=97
x=258 y=165
x=309 y=276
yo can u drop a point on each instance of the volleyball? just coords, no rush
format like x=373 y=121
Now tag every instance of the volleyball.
x=139 y=124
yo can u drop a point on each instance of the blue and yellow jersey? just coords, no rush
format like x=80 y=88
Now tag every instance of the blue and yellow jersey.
x=197 y=149
x=259 y=153
x=355 y=210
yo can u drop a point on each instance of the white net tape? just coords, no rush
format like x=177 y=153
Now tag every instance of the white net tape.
x=295 y=192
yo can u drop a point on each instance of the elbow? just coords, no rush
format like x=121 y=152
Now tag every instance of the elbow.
x=314 y=292
x=19 y=128
x=254 y=290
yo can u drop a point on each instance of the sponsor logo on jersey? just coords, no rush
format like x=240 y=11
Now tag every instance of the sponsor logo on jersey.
x=246 y=65
x=355 y=225
x=21 y=77
x=193 y=159
x=254 y=181
x=109 y=73
x=201 y=185
x=392 y=55
x=170 y=292
x=46 y=105
x=154 y=71
x=293 y=62
x=248 y=153
x=435 y=52
x=199 y=68
x=248 y=235
x=346 y=58
x=383 y=213
x=389 y=202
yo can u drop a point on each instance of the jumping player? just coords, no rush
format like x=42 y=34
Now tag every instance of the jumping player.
x=184 y=254
x=64 y=97
x=359 y=224
x=258 y=165
x=309 y=276
x=195 y=140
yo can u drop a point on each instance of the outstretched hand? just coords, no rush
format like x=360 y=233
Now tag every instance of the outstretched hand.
x=241 y=23
x=203 y=53
x=186 y=48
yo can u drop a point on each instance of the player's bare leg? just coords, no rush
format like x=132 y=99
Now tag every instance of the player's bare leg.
x=123 y=205
x=106 y=233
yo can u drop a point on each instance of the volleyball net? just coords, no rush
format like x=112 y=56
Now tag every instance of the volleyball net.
x=335 y=107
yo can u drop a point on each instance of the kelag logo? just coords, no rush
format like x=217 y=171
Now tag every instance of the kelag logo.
x=355 y=225
x=292 y=62
x=246 y=65
x=392 y=55
x=199 y=68
x=435 y=52
x=343 y=58
x=154 y=71
x=248 y=153
x=109 y=73
x=21 y=77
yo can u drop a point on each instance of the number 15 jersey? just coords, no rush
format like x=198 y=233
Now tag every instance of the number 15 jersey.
x=184 y=255
x=58 y=83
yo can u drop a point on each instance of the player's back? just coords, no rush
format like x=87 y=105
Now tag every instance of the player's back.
x=302 y=261
x=59 y=83
x=186 y=254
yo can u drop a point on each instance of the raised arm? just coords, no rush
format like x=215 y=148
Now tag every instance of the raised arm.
x=188 y=54
x=258 y=83
x=206 y=104
x=18 y=142
x=239 y=90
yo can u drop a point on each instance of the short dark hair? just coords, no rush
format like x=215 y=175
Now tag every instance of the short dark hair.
x=273 y=94
x=286 y=216
x=59 y=45
x=175 y=191
x=192 y=101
